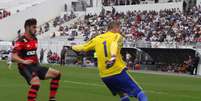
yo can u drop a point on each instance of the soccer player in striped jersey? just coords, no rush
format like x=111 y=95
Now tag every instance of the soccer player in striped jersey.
x=24 y=53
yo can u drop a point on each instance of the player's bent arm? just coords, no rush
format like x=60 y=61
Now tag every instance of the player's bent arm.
x=113 y=50
x=16 y=58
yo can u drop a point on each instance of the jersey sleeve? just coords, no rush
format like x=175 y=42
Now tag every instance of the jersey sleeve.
x=90 y=45
x=116 y=44
x=18 y=47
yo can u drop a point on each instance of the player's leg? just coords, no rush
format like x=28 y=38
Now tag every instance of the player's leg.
x=34 y=88
x=32 y=80
x=9 y=65
x=123 y=85
x=136 y=89
x=141 y=96
x=54 y=84
x=114 y=86
x=9 y=61
x=62 y=61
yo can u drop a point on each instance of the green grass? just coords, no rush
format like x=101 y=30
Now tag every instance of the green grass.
x=81 y=84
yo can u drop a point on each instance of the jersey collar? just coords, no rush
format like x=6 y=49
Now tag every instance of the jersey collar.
x=29 y=36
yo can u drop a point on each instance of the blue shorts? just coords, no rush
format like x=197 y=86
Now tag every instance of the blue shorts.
x=122 y=83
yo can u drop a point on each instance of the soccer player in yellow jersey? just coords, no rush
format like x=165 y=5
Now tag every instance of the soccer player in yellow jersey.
x=111 y=67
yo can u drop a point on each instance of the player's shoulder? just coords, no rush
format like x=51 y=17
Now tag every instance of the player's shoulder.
x=98 y=37
x=22 y=39
x=118 y=35
x=104 y=35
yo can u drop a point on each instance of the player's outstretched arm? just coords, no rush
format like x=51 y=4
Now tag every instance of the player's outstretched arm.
x=90 y=45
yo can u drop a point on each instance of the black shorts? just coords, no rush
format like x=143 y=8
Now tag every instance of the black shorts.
x=28 y=71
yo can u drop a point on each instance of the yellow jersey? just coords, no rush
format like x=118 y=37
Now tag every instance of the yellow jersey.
x=105 y=46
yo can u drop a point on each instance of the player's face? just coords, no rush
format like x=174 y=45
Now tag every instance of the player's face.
x=33 y=29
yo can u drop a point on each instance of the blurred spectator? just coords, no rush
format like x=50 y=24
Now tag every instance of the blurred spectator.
x=189 y=63
x=48 y=55
x=1 y=54
x=40 y=30
x=1 y=15
x=53 y=35
x=46 y=27
x=4 y=13
x=42 y=51
x=65 y=8
x=62 y=55
x=120 y=2
x=196 y=61
x=19 y=33
x=54 y=58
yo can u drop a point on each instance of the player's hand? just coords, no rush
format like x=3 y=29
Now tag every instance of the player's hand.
x=69 y=47
x=111 y=62
x=27 y=62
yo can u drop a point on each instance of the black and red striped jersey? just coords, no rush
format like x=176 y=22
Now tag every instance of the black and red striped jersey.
x=26 y=48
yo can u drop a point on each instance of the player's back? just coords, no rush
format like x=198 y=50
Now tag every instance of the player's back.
x=103 y=49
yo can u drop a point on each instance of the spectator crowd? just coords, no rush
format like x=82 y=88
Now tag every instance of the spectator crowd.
x=58 y=21
x=4 y=13
x=169 y=25
x=131 y=2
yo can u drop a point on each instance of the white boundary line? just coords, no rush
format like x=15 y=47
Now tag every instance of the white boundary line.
x=150 y=91
x=84 y=83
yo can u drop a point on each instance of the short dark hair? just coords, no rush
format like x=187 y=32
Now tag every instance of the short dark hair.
x=113 y=24
x=30 y=22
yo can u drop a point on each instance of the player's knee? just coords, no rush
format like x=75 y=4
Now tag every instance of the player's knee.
x=141 y=96
x=56 y=74
x=124 y=96
x=35 y=81
x=59 y=75
x=121 y=94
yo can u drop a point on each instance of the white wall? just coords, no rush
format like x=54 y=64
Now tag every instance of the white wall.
x=156 y=7
x=43 y=12
x=198 y=2
x=14 y=5
x=163 y=1
x=199 y=65
x=69 y=4
x=97 y=3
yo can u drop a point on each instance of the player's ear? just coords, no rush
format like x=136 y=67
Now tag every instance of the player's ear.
x=26 y=28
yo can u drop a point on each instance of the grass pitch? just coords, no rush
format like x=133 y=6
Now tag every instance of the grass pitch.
x=84 y=84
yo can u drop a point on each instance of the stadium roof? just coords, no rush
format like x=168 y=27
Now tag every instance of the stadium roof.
x=12 y=5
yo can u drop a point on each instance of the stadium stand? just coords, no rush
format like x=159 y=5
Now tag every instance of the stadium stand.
x=134 y=2
x=15 y=6
x=4 y=13
x=170 y=25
